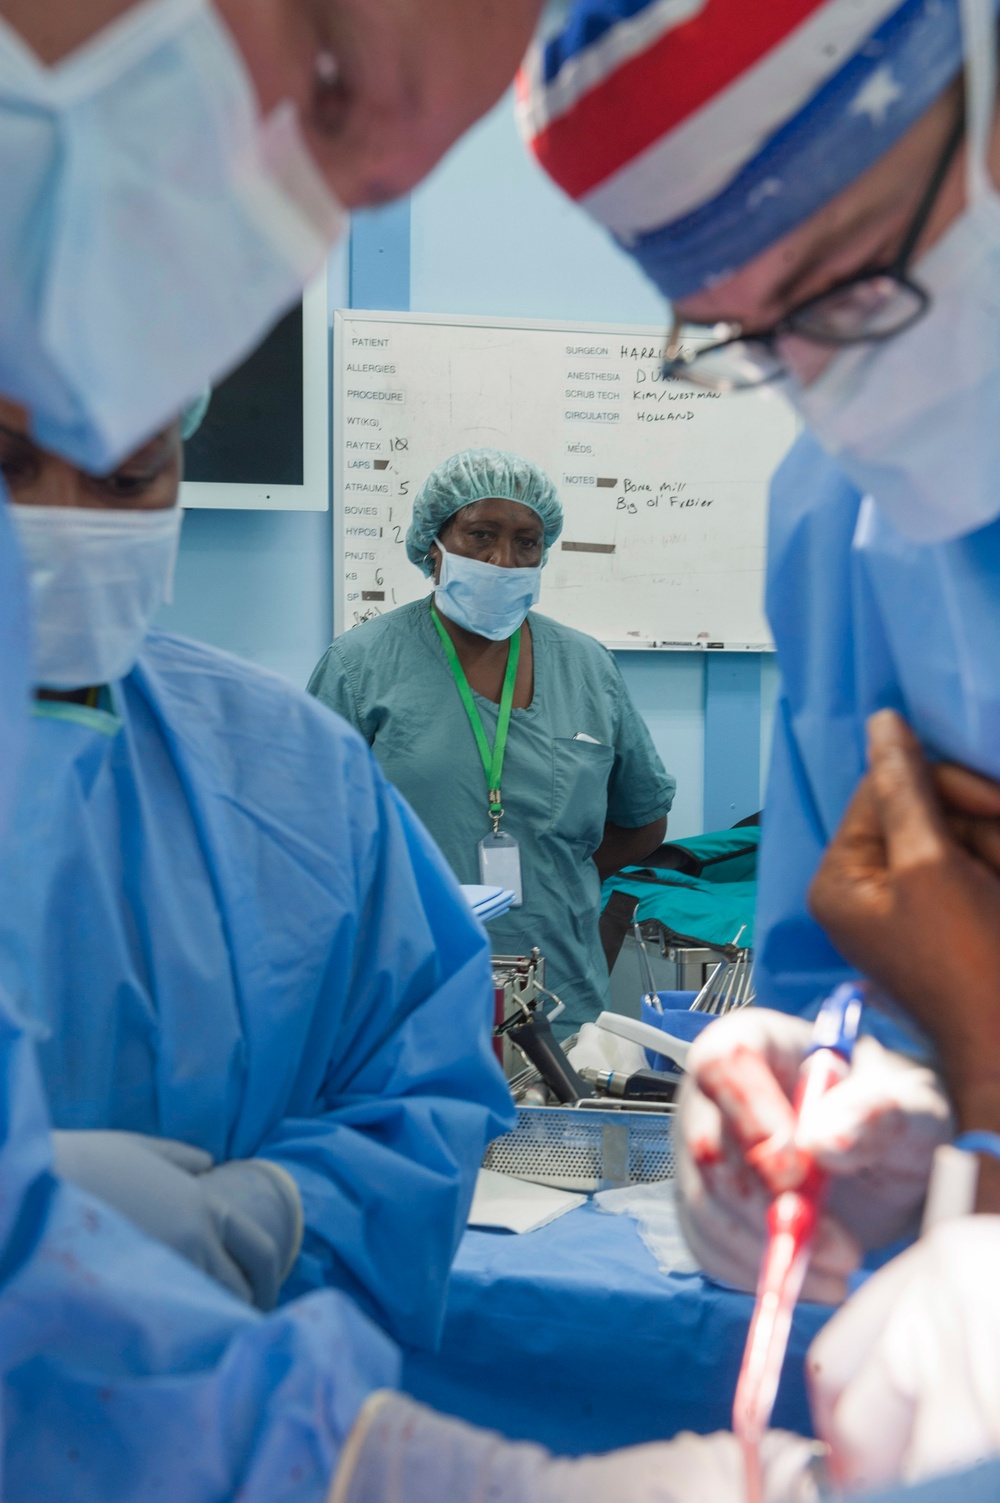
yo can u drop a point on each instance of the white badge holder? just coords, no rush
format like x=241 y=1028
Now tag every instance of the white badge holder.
x=500 y=864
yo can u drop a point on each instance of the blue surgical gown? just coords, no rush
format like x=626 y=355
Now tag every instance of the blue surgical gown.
x=863 y=620
x=224 y=926
x=126 y=1374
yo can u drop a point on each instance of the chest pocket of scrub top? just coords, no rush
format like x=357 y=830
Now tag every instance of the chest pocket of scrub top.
x=581 y=770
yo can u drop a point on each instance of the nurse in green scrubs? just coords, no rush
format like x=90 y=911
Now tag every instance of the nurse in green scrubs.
x=512 y=736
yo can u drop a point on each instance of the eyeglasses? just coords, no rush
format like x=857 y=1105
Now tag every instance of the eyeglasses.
x=865 y=308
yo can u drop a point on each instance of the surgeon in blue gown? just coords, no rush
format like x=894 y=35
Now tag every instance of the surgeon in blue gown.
x=827 y=216
x=865 y=619
x=839 y=237
x=127 y=1374
x=226 y=929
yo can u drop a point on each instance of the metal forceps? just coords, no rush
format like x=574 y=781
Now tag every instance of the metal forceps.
x=729 y=986
x=646 y=971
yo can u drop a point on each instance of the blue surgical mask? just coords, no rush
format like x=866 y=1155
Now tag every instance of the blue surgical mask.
x=154 y=226
x=97 y=580
x=913 y=420
x=485 y=598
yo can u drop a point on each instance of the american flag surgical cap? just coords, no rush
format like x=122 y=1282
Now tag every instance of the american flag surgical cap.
x=699 y=132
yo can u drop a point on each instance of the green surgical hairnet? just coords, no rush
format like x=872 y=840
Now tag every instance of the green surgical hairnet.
x=477 y=475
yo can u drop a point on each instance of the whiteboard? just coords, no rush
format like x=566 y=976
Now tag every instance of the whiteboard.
x=664 y=486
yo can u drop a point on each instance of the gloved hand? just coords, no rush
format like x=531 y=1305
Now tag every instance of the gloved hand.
x=905 y=1379
x=240 y=1222
x=401 y=1452
x=737 y=1144
x=258 y=1206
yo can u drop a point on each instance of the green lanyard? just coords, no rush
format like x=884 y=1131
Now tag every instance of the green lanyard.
x=492 y=760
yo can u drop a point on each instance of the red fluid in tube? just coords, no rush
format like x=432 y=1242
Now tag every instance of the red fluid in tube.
x=791 y=1225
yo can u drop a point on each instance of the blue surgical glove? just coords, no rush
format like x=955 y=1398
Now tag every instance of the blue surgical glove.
x=241 y=1222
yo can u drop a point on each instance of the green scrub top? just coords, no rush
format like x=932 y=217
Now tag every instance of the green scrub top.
x=391 y=680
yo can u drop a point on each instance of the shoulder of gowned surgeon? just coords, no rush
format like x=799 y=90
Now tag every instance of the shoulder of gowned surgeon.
x=170 y=657
x=180 y=676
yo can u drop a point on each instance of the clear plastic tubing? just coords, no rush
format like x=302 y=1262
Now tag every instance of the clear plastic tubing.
x=791 y=1226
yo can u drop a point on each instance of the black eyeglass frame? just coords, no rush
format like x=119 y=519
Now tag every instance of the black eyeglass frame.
x=675 y=364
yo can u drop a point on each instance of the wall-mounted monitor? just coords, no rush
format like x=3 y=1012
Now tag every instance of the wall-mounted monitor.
x=264 y=444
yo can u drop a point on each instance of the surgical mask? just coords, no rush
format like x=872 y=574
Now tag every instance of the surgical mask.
x=485 y=598
x=97 y=580
x=915 y=422
x=153 y=227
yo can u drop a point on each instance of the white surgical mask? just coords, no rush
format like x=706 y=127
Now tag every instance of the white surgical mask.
x=97 y=580
x=485 y=598
x=915 y=422
x=153 y=226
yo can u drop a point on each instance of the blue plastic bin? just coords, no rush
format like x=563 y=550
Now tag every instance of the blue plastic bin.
x=676 y=1018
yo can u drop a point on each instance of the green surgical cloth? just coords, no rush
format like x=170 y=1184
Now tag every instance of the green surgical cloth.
x=390 y=679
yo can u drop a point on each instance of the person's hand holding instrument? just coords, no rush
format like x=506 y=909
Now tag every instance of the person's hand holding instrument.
x=874 y=1134
x=919 y=912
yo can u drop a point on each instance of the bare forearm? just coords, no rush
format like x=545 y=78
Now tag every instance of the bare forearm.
x=624 y=847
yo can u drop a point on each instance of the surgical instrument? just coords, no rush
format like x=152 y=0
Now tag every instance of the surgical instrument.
x=728 y=987
x=532 y=1033
x=650 y=993
x=641 y=1085
x=791 y=1225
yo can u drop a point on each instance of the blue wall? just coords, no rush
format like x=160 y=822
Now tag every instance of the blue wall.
x=485 y=234
x=259 y=583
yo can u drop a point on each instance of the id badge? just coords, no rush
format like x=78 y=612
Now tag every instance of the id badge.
x=500 y=864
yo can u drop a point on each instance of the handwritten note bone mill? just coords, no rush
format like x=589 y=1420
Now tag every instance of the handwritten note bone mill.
x=664 y=486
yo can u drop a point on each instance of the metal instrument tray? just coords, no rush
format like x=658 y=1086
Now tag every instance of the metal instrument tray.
x=586 y=1147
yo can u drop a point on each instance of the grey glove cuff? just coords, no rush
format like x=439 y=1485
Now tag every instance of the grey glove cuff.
x=402 y=1452
x=343 y=1479
x=288 y=1193
x=258 y=1211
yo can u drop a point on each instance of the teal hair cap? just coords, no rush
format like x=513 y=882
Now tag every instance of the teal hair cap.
x=479 y=475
